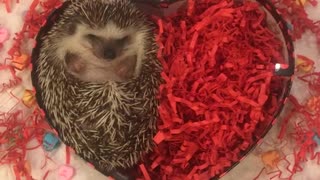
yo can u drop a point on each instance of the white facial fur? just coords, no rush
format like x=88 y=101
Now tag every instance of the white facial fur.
x=97 y=69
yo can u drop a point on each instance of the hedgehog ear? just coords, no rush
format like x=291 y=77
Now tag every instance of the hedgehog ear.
x=74 y=63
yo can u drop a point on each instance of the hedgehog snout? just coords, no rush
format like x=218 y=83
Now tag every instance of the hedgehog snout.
x=107 y=48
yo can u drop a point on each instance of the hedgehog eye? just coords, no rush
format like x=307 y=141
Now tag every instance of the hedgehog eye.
x=126 y=38
x=92 y=37
x=123 y=40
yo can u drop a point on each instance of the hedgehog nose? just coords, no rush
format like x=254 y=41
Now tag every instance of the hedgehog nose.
x=109 y=53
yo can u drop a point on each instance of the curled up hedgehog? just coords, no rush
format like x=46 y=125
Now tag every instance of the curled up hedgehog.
x=96 y=76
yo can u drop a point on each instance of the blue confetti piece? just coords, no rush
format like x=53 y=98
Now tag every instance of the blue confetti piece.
x=316 y=138
x=50 y=141
x=289 y=26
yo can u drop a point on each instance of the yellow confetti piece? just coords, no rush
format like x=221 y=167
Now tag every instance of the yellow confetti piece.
x=27 y=167
x=271 y=158
x=23 y=170
x=28 y=98
x=301 y=2
x=313 y=104
x=304 y=64
x=21 y=62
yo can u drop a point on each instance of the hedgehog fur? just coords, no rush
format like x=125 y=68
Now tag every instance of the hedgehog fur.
x=111 y=124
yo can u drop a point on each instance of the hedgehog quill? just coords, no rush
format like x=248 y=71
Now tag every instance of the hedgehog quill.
x=96 y=76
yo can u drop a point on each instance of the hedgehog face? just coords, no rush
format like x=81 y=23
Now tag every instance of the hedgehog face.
x=104 y=54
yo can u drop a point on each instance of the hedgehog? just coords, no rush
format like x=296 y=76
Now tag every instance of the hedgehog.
x=96 y=76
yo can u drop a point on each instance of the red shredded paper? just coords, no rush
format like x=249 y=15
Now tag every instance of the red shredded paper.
x=216 y=99
x=308 y=127
x=18 y=129
x=295 y=13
